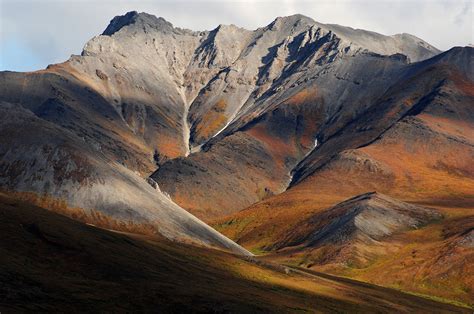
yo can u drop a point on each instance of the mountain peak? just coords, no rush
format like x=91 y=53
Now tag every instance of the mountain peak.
x=135 y=18
x=290 y=20
x=225 y=27
x=294 y=18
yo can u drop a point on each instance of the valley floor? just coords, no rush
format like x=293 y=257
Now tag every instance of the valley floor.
x=51 y=263
x=434 y=260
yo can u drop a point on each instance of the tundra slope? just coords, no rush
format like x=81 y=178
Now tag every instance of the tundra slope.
x=368 y=218
x=414 y=143
x=52 y=263
x=145 y=92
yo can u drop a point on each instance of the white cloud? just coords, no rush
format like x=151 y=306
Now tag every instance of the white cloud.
x=51 y=30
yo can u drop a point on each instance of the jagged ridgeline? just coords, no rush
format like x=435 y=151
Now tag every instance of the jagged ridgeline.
x=220 y=119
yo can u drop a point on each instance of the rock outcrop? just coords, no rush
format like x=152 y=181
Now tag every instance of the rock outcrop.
x=225 y=115
x=368 y=217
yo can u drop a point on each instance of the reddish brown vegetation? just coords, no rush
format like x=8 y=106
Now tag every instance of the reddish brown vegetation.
x=89 y=216
x=52 y=263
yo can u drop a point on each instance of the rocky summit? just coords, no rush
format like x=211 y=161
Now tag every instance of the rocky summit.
x=276 y=137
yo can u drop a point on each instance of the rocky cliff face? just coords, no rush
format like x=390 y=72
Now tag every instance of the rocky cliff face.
x=225 y=115
x=207 y=80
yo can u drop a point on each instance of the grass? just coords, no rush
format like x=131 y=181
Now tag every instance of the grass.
x=212 y=122
x=258 y=251
x=435 y=298
x=52 y=263
x=414 y=174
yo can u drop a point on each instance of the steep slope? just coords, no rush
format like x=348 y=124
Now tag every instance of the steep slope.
x=256 y=63
x=145 y=92
x=292 y=77
x=282 y=128
x=52 y=263
x=414 y=144
x=57 y=169
x=122 y=93
x=441 y=88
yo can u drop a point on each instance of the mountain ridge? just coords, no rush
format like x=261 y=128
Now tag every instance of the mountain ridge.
x=133 y=17
x=171 y=94
x=158 y=130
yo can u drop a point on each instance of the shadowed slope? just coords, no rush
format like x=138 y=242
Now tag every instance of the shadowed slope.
x=51 y=263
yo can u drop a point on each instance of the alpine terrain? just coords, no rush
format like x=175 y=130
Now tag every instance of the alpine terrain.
x=296 y=167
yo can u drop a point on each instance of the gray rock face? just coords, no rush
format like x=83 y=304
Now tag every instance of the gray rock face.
x=367 y=218
x=89 y=130
x=427 y=86
x=374 y=216
x=54 y=163
x=220 y=75
x=134 y=18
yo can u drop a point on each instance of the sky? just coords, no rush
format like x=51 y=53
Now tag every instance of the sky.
x=36 y=33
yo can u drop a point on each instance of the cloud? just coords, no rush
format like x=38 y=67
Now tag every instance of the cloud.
x=34 y=34
x=461 y=17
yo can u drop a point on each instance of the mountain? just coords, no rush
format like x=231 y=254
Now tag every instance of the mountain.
x=288 y=78
x=145 y=93
x=273 y=136
x=414 y=143
x=50 y=262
